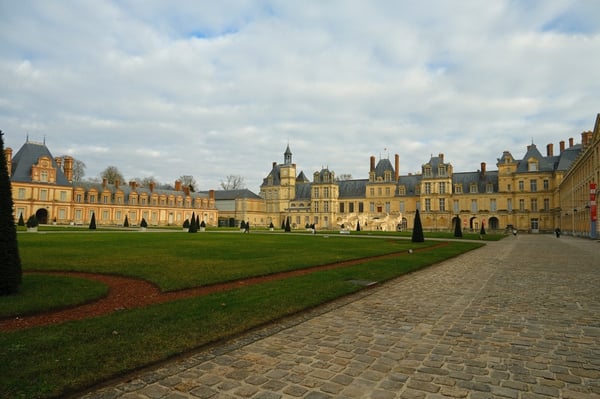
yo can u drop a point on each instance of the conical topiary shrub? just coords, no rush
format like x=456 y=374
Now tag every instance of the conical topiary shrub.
x=193 y=228
x=457 y=228
x=417 y=234
x=93 y=222
x=21 y=221
x=126 y=223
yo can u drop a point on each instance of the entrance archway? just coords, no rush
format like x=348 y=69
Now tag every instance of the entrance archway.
x=493 y=223
x=42 y=216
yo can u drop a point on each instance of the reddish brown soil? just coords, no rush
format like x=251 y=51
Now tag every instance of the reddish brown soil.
x=127 y=293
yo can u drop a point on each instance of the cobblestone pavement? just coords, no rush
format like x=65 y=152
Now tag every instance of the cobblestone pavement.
x=518 y=318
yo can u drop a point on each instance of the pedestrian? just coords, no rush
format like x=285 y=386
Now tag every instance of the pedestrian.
x=247 y=227
x=557 y=232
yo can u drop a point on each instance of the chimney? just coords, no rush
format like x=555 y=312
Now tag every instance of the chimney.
x=177 y=185
x=104 y=182
x=117 y=182
x=396 y=167
x=274 y=164
x=211 y=195
x=152 y=185
x=570 y=142
x=372 y=164
x=8 y=155
x=482 y=169
x=586 y=138
x=441 y=157
x=550 y=150
x=186 y=190
x=68 y=168
x=132 y=184
x=58 y=161
x=562 y=145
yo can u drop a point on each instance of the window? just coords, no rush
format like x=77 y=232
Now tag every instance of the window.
x=326 y=192
x=44 y=176
x=534 y=207
x=489 y=188
x=78 y=198
x=105 y=199
x=21 y=194
x=388 y=207
x=427 y=204
x=63 y=195
x=456 y=206
x=493 y=205
x=105 y=215
x=546 y=204
x=442 y=204
x=427 y=188
x=533 y=166
x=316 y=207
x=387 y=191
x=427 y=171
x=62 y=214
x=341 y=207
x=509 y=204
x=326 y=206
x=43 y=195
x=316 y=193
x=474 y=205
x=402 y=206
x=533 y=185
x=458 y=189
x=379 y=191
x=546 y=185
x=521 y=204
x=402 y=190
x=521 y=185
x=372 y=192
x=442 y=170
x=351 y=207
x=473 y=188
x=361 y=207
x=442 y=188
x=508 y=187
x=371 y=207
x=78 y=214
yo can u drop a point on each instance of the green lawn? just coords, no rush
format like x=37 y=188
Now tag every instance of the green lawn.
x=52 y=361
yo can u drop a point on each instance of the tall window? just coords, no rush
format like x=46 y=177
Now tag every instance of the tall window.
x=21 y=194
x=521 y=185
x=546 y=184
x=509 y=204
x=43 y=195
x=63 y=195
x=534 y=206
x=455 y=206
x=442 y=204
x=546 y=204
x=388 y=207
x=341 y=207
x=351 y=207
x=442 y=188
x=533 y=185
x=326 y=192
x=44 y=176
x=493 y=204
x=473 y=205
x=427 y=204
x=521 y=204
x=361 y=207
x=402 y=206
x=427 y=188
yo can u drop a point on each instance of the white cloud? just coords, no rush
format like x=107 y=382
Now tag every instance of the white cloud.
x=213 y=89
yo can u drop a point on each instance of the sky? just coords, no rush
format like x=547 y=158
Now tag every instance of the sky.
x=216 y=88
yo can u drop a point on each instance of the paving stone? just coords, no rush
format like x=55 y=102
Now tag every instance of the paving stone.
x=508 y=320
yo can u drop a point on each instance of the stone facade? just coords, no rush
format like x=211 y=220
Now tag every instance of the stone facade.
x=42 y=185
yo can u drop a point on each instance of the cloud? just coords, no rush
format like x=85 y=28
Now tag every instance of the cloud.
x=221 y=88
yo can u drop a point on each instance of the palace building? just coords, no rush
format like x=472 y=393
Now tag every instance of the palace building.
x=527 y=194
x=44 y=186
x=532 y=193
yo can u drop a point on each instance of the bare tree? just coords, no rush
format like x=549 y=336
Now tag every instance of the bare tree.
x=112 y=174
x=344 y=176
x=188 y=181
x=78 y=168
x=233 y=182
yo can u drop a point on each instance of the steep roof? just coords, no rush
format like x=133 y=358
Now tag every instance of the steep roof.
x=384 y=165
x=235 y=194
x=27 y=156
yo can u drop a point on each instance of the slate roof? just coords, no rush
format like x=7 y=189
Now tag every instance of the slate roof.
x=352 y=188
x=383 y=166
x=29 y=155
x=465 y=179
x=235 y=194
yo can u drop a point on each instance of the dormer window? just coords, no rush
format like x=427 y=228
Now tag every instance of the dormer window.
x=442 y=170
x=427 y=171
x=532 y=166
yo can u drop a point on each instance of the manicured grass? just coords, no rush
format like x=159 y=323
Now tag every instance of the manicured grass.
x=52 y=361
x=40 y=293
x=180 y=260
